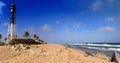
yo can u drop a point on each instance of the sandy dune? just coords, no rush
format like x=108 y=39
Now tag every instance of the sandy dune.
x=47 y=53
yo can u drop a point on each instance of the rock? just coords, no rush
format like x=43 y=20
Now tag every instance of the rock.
x=102 y=56
x=20 y=47
x=24 y=45
x=17 y=48
x=25 y=48
x=115 y=57
x=88 y=54
x=12 y=47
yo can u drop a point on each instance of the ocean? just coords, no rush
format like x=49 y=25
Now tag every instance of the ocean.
x=106 y=48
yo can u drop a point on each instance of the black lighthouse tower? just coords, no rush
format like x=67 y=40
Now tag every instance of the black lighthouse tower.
x=12 y=23
x=12 y=13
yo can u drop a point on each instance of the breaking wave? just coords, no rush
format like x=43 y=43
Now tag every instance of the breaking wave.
x=105 y=47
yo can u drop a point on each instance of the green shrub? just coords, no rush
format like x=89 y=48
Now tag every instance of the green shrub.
x=2 y=43
x=23 y=41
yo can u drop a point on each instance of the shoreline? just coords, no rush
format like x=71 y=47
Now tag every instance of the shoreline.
x=111 y=56
x=93 y=51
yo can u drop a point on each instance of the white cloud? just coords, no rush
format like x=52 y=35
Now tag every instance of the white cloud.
x=75 y=36
x=106 y=29
x=97 y=5
x=5 y=24
x=111 y=1
x=86 y=31
x=57 y=22
x=1 y=6
x=46 y=27
x=77 y=25
x=118 y=18
x=110 y=19
x=55 y=34
x=72 y=27
x=67 y=31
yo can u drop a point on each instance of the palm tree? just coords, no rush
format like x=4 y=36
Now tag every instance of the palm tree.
x=5 y=39
x=26 y=34
x=15 y=36
x=41 y=41
x=0 y=37
x=35 y=36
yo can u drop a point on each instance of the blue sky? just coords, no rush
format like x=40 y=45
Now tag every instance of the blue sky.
x=65 y=21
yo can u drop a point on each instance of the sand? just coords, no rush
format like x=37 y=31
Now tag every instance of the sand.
x=47 y=53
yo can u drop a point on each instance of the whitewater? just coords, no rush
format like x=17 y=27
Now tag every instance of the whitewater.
x=104 y=47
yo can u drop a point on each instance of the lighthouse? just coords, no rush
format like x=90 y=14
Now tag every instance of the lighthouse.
x=11 y=27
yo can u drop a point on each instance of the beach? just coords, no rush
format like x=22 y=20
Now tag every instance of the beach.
x=93 y=51
x=46 y=53
x=108 y=50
